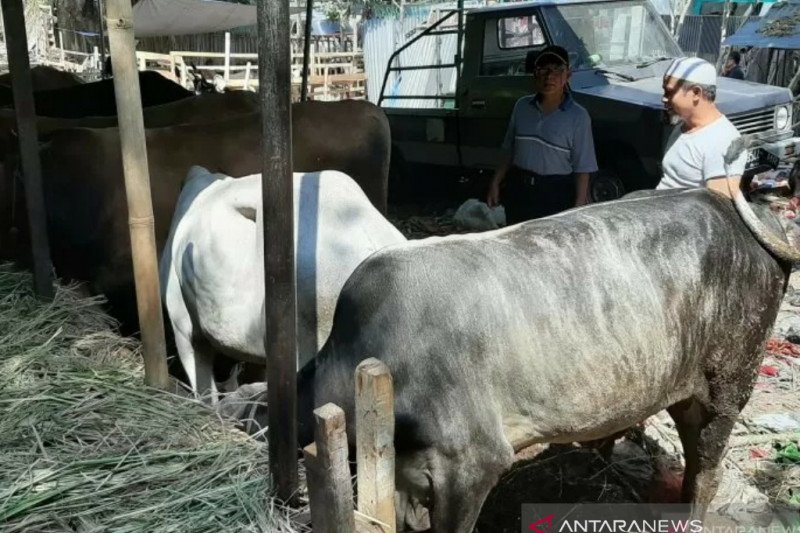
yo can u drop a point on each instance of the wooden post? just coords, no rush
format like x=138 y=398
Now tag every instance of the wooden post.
x=280 y=345
x=375 y=441
x=24 y=106
x=137 y=188
x=96 y=57
x=247 y=76
x=61 y=46
x=330 y=490
x=184 y=74
x=306 y=50
x=227 y=73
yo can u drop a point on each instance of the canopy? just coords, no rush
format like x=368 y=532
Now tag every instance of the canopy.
x=186 y=17
x=779 y=28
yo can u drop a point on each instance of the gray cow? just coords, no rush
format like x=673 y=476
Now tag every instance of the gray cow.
x=565 y=329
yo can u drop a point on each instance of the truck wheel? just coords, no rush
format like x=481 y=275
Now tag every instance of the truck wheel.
x=605 y=186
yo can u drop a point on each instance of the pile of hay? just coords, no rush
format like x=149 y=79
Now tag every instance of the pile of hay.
x=85 y=447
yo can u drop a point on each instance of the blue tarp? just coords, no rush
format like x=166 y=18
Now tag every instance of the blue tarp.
x=779 y=28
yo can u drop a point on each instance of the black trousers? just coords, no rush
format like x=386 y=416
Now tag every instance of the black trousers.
x=529 y=195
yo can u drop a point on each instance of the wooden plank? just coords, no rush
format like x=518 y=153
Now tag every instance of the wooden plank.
x=329 y=487
x=25 y=109
x=277 y=228
x=137 y=191
x=375 y=441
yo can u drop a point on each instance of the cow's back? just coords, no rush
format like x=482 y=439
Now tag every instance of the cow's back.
x=354 y=138
x=625 y=305
x=98 y=98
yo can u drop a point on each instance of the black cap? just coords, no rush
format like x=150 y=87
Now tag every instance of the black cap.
x=547 y=56
x=553 y=54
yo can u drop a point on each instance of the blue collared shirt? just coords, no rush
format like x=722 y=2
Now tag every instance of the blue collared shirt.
x=559 y=142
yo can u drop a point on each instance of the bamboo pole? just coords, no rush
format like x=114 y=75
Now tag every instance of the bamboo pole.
x=137 y=188
x=24 y=106
x=280 y=344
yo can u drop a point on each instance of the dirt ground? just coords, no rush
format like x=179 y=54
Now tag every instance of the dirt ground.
x=761 y=471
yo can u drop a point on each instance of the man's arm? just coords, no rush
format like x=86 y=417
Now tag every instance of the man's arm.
x=581 y=188
x=724 y=185
x=584 y=161
x=493 y=196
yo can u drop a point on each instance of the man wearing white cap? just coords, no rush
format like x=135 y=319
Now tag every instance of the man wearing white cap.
x=695 y=150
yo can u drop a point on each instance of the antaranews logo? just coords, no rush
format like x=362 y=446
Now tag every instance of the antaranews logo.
x=645 y=518
x=542 y=525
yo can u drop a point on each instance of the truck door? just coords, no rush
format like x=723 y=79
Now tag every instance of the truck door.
x=493 y=80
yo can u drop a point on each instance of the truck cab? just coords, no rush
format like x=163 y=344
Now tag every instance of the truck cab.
x=456 y=115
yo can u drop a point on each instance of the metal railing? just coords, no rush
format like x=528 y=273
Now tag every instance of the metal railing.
x=430 y=31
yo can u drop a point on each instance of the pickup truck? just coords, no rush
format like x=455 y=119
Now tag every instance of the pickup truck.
x=449 y=109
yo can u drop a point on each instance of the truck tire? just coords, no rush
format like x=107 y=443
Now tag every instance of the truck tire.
x=604 y=186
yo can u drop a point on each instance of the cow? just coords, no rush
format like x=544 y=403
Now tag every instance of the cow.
x=46 y=78
x=563 y=329
x=212 y=267
x=97 y=98
x=84 y=188
x=195 y=110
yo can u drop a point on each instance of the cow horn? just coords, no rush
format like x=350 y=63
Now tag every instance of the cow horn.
x=761 y=232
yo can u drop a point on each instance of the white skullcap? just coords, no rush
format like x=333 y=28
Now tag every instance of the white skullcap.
x=693 y=70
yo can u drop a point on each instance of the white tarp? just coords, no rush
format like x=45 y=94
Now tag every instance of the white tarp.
x=184 y=17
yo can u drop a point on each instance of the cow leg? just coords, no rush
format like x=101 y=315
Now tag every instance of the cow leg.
x=198 y=361
x=704 y=435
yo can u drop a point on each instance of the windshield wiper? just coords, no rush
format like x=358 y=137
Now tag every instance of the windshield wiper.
x=652 y=62
x=625 y=77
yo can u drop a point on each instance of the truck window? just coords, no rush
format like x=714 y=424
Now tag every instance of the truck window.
x=609 y=33
x=507 y=41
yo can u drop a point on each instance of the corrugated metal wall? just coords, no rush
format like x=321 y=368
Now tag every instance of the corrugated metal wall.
x=701 y=35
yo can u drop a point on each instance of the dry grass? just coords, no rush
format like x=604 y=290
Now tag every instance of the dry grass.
x=85 y=446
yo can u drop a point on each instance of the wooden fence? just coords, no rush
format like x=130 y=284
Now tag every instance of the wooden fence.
x=327 y=469
x=332 y=75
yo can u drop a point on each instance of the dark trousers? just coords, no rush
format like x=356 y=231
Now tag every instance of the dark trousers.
x=529 y=195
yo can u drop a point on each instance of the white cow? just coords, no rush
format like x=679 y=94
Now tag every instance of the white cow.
x=212 y=267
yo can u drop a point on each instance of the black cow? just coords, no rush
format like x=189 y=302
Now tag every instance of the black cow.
x=97 y=98
x=564 y=329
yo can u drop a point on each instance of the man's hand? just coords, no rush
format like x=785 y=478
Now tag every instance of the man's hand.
x=493 y=196
x=581 y=189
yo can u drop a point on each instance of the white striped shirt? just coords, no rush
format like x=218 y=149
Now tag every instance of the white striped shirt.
x=555 y=143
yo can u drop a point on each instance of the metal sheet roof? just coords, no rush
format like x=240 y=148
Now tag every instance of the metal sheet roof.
x=779 y=28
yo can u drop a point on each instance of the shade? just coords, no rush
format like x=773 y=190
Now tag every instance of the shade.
x=153 y=18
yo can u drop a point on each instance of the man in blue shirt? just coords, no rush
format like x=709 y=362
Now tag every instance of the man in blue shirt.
x=549 y=146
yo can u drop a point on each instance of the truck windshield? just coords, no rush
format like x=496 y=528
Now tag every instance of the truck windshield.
x=609 y=34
